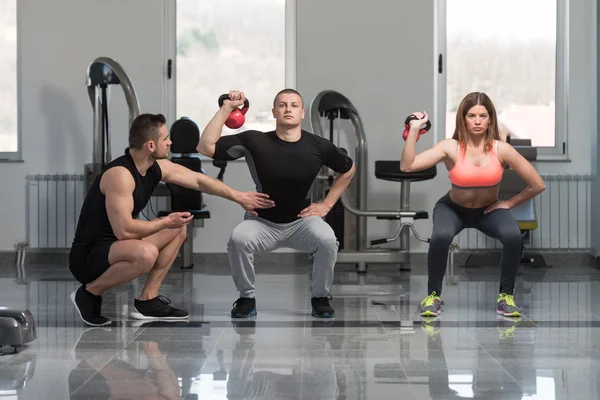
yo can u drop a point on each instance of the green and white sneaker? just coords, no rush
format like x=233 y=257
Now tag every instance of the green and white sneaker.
x=431 y=306
x=507 y=307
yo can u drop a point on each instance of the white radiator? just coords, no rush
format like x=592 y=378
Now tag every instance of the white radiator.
x=562 y=210
x=53 y=205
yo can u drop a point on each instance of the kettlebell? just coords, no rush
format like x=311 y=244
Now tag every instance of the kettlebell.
x=236 y=119
x=424 y=128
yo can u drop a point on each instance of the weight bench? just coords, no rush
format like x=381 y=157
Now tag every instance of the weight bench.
x=389 y=170
x=185 y=136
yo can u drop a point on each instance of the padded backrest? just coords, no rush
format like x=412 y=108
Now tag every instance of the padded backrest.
x=518 y=142
x=524 y=147
x=512 y=183
x=185 y=136
x=183 y=198
x=530 y=153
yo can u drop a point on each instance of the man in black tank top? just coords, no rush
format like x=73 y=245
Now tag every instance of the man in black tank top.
x=284 y=164
x=112 y=246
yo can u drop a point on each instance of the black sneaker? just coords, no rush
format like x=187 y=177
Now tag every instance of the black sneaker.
x=89 y=307
x=156 y=309
x=321 y=307
x=244 y=307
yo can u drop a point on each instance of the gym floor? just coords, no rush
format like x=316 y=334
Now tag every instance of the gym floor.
x=375 y=348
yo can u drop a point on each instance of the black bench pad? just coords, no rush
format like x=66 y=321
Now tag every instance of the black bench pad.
x=390 y=171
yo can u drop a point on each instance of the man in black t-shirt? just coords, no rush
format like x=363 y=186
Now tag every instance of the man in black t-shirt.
x=284 y=164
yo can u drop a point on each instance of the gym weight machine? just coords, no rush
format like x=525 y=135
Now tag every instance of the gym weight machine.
x=101 y=73
x=334 y=105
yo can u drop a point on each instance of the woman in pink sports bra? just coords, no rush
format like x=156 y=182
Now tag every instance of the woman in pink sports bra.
x=475 y=158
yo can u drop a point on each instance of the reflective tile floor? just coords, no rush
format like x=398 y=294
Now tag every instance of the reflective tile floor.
x=375 y=348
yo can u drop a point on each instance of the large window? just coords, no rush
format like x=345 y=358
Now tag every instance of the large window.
x=9 y=127
x=515 y=52
x=230 y=44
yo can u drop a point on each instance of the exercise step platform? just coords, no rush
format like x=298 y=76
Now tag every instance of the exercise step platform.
x=17 y=327
x=389 y=170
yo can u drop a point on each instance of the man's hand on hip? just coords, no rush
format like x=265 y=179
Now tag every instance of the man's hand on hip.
x=315 y=209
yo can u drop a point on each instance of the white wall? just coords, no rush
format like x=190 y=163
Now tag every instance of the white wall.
x=60 y=38
x=385 y=68
x=343 y=45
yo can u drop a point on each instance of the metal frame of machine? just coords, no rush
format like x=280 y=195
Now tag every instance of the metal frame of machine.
x=363 y=255
x=101 y=73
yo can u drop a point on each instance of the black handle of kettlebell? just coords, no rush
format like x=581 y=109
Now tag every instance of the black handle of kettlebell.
x=225 y=96
x=408 y=119
x=411 y=117
x=222 y=99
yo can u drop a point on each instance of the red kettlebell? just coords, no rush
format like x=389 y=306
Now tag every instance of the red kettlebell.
x=236 y=119
x=424 y=128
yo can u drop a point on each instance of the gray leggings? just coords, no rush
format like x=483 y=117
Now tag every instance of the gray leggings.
x=256 y=235
x=450 y=218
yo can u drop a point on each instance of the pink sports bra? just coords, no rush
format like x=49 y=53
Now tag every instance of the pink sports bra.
x=466 y=175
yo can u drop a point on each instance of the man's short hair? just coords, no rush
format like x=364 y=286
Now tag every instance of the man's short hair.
x=288 y=91
x=145 y=127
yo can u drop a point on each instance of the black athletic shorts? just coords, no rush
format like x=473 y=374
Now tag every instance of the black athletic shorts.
x=88 y=264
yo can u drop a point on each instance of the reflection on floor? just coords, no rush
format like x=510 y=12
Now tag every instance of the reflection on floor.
x=377 y=347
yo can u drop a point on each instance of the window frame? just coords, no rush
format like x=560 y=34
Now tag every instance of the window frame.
x=17 y=155
x=170 y=51
x=560 y=151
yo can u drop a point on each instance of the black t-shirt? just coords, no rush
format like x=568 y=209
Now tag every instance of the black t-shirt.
x=93 y=225
x=284 y=170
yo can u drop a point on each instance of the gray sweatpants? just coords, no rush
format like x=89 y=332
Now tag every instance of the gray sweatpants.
x=256 y=235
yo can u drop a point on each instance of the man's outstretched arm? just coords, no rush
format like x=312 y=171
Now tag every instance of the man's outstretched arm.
x=182 y=176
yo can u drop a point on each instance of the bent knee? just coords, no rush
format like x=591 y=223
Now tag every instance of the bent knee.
x=507 y=229
x=146 y=256
x=511 y=237
x=324 y=235
x=442 y=236
x=327 y=240
x=182 y=234
x=241 y=238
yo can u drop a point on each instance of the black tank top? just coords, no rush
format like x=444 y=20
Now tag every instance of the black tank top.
x=93 y=225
